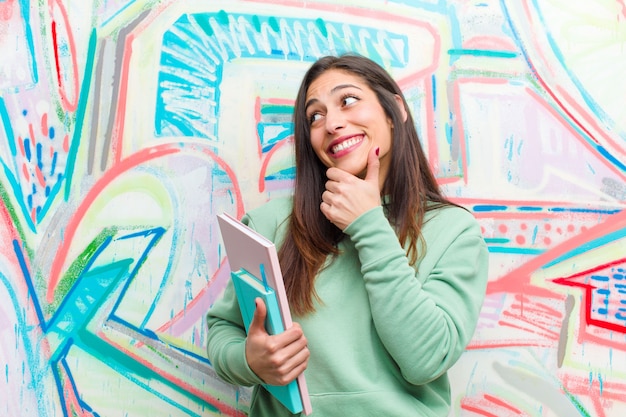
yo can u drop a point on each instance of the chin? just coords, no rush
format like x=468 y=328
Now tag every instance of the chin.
x=356 y=170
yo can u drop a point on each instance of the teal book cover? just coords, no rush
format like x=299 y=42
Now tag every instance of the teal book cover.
x=254 y=260
x=248 y=288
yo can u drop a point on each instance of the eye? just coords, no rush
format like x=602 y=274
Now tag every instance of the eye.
x=349 y=99
x=314 y=117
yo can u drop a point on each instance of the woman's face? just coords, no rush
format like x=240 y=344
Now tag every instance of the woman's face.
x=346 y=121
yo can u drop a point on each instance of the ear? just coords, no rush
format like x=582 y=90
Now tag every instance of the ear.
x=401 y=106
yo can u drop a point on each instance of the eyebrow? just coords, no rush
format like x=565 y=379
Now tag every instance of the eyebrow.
x=332 y=91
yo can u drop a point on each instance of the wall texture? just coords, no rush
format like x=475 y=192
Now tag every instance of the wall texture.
x=126 y=126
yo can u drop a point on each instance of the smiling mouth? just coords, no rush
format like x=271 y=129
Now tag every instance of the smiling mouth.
x=346 y=144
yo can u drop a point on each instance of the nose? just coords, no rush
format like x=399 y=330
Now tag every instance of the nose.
x=334 y=121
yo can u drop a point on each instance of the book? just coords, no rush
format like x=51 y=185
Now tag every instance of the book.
x=255 y=270
x=248 y=288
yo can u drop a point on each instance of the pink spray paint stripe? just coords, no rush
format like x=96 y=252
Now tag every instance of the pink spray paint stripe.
x=129 y=163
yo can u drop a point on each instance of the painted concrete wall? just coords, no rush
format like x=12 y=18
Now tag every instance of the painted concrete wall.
x=126 y=126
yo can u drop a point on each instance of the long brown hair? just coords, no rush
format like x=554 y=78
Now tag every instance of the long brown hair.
x=409 y=185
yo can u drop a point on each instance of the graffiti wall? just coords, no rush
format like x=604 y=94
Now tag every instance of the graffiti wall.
x=126 y=126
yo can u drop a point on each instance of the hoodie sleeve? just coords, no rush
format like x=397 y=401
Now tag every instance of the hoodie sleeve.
x=426 y=313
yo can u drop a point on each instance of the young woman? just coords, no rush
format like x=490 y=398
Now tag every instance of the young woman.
x=384 y=275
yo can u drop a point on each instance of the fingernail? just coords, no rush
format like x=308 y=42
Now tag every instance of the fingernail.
x=377 y=151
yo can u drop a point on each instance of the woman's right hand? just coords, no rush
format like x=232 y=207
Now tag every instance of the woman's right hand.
x=276 y=359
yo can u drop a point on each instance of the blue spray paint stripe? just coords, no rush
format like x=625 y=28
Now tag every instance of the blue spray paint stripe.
x=218 y=47
x=515 y=251
x=19 y=197
x=32 y=360
x=25 y=10
x=126 y=5
x=8 y=128
x=485 y=208
x=139 y=375
x=154 y=235
x=594 y=244
x=84 y=299
x=483 y=53
x=80 y=116
x=38 y=151
x=27 y=152
x=35 y=298
x=489 y=207
x=54 y=190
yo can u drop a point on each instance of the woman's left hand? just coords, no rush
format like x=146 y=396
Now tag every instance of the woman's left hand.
x=347 y=196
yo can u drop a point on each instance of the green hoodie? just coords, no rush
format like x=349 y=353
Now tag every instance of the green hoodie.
x=385 y=332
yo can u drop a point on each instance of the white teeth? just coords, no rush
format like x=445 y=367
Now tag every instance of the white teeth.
x=346 y=144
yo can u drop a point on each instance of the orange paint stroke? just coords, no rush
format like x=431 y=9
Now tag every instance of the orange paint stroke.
x=233 y=178
x=502 y=403
x=31 y=132
x=490 y=43
x=280 y=101
x=20 y=143
x=526 y=306
x=485 y=344
x=6 y=10
x=589 y=120
x=140 y=157
x=44 y=124
x=40 y=177
x=489 y=405
x=25 y=171
x=476 y=410
x=599 y=393
x=528 y=326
